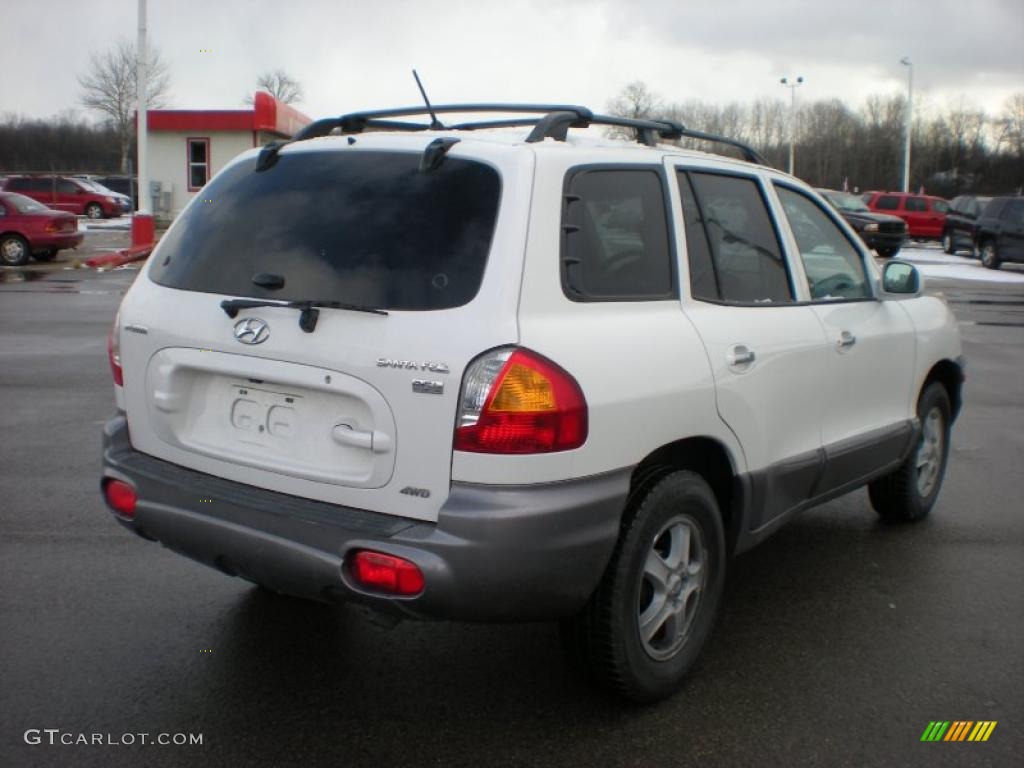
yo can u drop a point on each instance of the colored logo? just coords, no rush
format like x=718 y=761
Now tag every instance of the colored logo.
x=958 y=730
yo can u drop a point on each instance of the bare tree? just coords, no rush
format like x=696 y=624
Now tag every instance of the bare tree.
x=109 y=87
x=1011 y=124
x=280 y=85
x=635 y=101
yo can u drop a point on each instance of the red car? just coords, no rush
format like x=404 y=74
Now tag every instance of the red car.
x=64 y=194
x=925 y=215
x=29 y=228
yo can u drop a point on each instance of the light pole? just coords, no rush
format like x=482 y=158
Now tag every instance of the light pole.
x=142 y=221
x=905 y=61
x=792 y=115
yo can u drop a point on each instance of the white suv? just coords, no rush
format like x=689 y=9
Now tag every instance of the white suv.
x=498 y=371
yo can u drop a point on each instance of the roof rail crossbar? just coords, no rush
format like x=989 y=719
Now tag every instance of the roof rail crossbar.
x=750 y=154
x=556 y=125
x=552 y=121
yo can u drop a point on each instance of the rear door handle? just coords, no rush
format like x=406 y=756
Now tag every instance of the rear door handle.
x=846 y=340
x=740 y=356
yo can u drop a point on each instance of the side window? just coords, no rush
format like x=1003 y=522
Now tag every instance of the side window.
x=916 y=204
x=198 y=163
x=835 y=269
x=940 y=206
x=38 y=185
x=17 y=185
x=887 y=203
x=1014 y=212
x=616 y=243
x=66 y=187
x=734 y=253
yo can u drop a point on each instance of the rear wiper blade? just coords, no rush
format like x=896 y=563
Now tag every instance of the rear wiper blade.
x=309 y=312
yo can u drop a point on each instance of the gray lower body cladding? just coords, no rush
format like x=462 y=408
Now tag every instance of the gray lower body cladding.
x=496 y=553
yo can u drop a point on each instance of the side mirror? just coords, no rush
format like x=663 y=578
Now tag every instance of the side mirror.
x=900 y=279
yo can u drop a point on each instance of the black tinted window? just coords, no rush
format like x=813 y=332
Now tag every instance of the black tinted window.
x=616 y=244
x=1014 y=212
x=916 y=204
x=65 y=187
x=745 y=254
x=887 y=203
x=362 y=227
x=703 y=280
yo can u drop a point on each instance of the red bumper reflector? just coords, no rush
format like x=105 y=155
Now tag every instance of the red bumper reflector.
x=386 y=573
x=121 y=497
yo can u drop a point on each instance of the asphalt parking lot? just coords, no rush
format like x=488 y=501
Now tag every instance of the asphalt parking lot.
x=839 y=641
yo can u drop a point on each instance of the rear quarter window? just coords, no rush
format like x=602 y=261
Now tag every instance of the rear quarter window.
x=616 y=244
x=354 y=226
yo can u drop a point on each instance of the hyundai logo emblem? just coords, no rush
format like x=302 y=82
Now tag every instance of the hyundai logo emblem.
x=252 y=330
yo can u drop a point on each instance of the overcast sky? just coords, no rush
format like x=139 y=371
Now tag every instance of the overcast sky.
x=356 y=55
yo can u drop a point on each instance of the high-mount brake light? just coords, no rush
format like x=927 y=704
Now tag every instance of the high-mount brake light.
x=114 y=351
x=515 y=401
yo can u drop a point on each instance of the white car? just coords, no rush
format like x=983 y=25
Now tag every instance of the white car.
x=501 y=371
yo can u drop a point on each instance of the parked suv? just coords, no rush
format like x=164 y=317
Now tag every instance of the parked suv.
x=65 y=194
x=961 y=221
x=517 y=375
x=999 y=235
x=886 y=234
x=925 y=215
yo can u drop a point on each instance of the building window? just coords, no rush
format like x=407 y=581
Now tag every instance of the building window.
x=198 y=158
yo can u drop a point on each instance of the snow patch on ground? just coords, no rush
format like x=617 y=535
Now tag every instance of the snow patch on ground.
x=120 y=223
x=932 y=262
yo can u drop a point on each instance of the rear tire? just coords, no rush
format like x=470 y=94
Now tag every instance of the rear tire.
x=646 y=623
x=947 y=242
x=908 y=494
x=14 y=250
x=990 y=255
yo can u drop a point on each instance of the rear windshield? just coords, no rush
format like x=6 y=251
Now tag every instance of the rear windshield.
x=352 y=226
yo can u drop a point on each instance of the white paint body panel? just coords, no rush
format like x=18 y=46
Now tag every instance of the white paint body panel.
x=652 y=373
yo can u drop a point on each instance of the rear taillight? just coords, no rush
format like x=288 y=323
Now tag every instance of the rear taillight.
x=53 y=226
x=386 y=573
x=121 y=497
x=516 y=401
x=114 y=351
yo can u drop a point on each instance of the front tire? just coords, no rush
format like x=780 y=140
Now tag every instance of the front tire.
x=647 y=621
x=94 y=211
x=990 y=255
x=908 y=494
x=888 y=253
x=14 y=251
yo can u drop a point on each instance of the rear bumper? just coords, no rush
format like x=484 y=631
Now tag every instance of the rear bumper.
x=497 y=553
x=59 y=241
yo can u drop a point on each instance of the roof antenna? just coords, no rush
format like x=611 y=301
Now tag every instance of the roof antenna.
x=435 y=124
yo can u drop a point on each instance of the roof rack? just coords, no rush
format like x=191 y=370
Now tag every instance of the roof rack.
x=552 y=121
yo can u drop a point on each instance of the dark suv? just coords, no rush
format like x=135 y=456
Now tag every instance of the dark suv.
x=999 y=235
x=961 y=222
x=885 y=233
